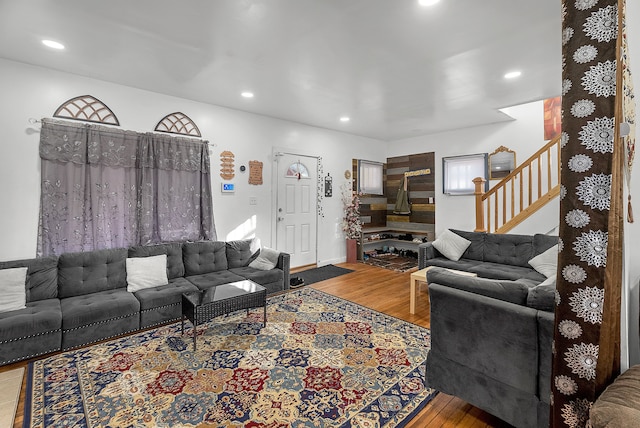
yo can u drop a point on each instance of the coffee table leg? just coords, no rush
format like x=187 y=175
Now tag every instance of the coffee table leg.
x=182 y=326
x=264 y=319
x=194 y=337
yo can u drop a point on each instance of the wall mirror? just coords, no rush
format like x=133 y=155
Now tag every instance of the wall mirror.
x=501 y=163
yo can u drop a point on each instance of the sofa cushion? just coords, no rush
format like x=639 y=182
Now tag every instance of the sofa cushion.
x=507 y=249
x=204 y=257
x=259 y=276
x=451 y=245
x=13 y=289
x=175 y=265
x=211 y=279
x=168 y=294
x=42 y=276
x=547 y=262
x=619 y=404
x=78 y=311
x=502 y=271
x=38 y=317
x=476 y=249
x=508 y=291
x=91 y=272
x=239 y=253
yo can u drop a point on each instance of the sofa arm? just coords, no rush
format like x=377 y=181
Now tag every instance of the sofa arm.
x=505 y=290
x=283 y=263
x=425 y=252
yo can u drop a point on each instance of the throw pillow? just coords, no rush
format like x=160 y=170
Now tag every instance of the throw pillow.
x=266 y=260
x=13 y=289
x=146 y=272
x=546 y=263
x=451 y=245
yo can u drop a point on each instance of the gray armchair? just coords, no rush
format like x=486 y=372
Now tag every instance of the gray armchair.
x=491 y=344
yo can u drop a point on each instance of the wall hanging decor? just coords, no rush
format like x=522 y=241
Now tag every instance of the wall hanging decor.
x=86 y=108
x=178 y=123
x=226 y=165
x=255 y=172
x=328 y=186
x=320 y=193
x=552 y=109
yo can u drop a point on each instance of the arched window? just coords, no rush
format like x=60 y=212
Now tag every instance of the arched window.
x=297 y=170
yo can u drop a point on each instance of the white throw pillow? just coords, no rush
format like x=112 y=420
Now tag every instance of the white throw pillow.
x=549 y=281
x=13 y=289
x=146 y=272
x=451 y=245
x=266 y=260
x=546 y=263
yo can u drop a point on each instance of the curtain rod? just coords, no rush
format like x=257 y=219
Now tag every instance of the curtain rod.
x=33 y=121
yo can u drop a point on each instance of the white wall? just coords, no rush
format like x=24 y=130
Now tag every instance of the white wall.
x=631 y=292
x=524 y=135
x=29 y=91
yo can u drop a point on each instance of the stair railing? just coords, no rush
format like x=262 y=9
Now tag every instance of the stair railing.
x=524 y=191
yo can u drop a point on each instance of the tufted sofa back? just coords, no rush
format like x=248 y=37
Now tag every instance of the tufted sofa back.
x=91 y=272
x=204 y=257
x=42 y=276
x=505 y=248
x=175 y=265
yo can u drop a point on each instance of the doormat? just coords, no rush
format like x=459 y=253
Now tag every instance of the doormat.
x=393 y=262
x=320 y=274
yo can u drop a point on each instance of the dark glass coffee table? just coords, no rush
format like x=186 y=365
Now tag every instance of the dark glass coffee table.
x=202 y=306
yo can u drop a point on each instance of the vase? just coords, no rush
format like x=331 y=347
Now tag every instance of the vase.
x=352 y=250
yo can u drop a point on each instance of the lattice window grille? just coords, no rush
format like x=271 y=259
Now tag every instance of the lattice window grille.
x=178 y=123
x=87 y=108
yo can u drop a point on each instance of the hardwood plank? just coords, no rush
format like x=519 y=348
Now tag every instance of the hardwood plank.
x=384 y=291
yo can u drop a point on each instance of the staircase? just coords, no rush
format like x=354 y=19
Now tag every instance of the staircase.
x=525 y=190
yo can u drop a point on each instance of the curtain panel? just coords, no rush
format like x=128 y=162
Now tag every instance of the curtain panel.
x=108 y=188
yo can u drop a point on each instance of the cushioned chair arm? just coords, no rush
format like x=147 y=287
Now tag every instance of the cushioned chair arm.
x=425 y=252
x=283 y=263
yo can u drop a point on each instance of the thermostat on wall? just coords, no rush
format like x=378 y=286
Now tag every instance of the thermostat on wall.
x=228 y=187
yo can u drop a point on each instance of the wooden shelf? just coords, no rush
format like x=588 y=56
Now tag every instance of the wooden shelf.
x=364 y=242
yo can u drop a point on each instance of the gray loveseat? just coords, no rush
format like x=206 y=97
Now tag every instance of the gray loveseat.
x=491 y=335
x=81 y=298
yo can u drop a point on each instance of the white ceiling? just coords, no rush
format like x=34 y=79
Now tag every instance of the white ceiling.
x=396 y=68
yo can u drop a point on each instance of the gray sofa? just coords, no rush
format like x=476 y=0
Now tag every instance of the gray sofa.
x=491 y=335
x=81 y=298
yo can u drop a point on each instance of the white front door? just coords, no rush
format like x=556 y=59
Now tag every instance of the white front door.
x=296 y=208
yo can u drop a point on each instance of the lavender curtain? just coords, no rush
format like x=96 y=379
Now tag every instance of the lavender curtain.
x=109 y=188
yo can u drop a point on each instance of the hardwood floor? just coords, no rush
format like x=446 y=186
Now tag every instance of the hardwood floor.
x=385 y=291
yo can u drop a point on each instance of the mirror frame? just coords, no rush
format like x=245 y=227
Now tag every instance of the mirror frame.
x=495 y=174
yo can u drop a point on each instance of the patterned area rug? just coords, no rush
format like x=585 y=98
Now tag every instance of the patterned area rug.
x=393 y=262
x=320 y=361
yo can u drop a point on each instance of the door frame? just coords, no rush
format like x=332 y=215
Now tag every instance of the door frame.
x=276 y=152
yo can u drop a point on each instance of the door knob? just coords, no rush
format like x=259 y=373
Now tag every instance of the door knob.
x=280 y=218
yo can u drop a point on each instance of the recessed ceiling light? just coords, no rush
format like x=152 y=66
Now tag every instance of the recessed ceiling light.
x=428 y=2
x=344 y=119
x=247 y=94
x=52 y=44
x=512 y=74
